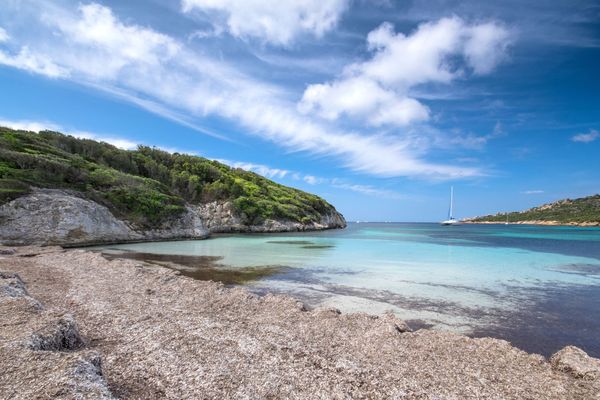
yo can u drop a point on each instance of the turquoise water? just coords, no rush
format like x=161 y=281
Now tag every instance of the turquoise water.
x=474 y=279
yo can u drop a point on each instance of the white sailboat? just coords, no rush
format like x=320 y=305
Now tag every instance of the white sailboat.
x=451 y=220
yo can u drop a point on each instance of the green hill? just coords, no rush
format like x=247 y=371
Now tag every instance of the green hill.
x=568 y=211
x=146 y=186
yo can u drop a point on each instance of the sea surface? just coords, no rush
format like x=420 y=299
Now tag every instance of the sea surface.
x=535 y=286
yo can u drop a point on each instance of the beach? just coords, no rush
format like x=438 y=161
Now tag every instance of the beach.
x=80 y=326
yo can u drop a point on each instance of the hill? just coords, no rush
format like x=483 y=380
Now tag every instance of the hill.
x=581 y=211
x=148 y=187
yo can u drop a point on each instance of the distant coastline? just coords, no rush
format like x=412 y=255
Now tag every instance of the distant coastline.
x=533 y=222
x=583 y=211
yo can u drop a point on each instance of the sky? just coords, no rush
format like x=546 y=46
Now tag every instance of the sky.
x=377 y=106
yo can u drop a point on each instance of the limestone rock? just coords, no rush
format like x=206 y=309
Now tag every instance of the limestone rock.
x=59 y=335
x=60 y=217
x=220 y=217
x=57 y=217
x=576 y=362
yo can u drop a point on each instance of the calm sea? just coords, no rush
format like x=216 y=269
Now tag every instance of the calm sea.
x=538 y=287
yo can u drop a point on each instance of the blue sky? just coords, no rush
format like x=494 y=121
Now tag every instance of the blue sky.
x=378 y=106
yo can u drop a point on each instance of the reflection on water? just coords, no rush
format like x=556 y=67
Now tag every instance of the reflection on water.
x=476 y=279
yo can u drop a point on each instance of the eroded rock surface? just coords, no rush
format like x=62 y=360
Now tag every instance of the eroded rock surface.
x=576 y=362
x=58 y=217
x=37 y=357
x=162 y=335
x=220 y=217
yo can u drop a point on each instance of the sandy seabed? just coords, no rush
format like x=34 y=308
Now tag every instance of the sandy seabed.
x=76 y=325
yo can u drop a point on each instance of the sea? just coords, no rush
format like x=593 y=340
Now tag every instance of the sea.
x=537 y=287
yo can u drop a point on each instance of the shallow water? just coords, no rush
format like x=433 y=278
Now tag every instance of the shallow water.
x=538 y=287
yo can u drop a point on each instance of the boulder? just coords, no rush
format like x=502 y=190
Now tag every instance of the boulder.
x=576 y=362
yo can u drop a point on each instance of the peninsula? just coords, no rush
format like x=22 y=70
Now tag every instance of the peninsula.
x=57 y=189
x=584 y=211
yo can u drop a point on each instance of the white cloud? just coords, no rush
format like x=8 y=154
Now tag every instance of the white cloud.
x=3 y=35
x=313 y=180
x=533 y=192
x=161 y=74
x=486 y=47
x=586 y=137
x=363 y=97
x=27 y=61
x=37 y=126
x=277 y=22
x=378 y=89
x=369 y=190
x=258 y=168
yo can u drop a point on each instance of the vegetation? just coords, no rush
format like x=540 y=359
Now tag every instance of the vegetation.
x=147 y=186
x=585 y=209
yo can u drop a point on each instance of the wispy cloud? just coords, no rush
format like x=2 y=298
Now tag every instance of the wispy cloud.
x=337 y=183
x=368 y=190
x=532 y=192
x=92 y=46
x=260 y=169
x=589 y=137
x=273 y=21
x=37 y=126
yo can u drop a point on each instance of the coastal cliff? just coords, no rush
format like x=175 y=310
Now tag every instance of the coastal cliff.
x=59 y=217
x=57 y=189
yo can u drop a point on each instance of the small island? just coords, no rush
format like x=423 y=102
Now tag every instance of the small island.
x=584 y=211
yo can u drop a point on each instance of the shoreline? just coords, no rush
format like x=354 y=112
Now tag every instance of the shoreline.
x=536 y=223
x=147 y=331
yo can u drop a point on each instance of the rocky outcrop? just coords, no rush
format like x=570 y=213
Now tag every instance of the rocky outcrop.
x=42 y=354
x=57 y=217
x=60 y=217
x=219 y=217
x=576 y=362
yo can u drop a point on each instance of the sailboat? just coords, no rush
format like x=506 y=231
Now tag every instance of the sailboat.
x=451 y=220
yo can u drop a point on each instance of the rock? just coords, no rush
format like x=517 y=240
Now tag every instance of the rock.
x=220 y=217
x=7 y=251
x=58 y=217
x=54 y=373
x=11 y=285
x=87 y=378
x=394 y=323
x=576 y=362
x=59 y=335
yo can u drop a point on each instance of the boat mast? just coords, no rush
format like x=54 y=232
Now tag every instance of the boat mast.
x=451 y=211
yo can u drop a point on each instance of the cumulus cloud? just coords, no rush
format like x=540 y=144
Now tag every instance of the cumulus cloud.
x=586 y=137
x=155 y=71
x=363 y=97
x=378 y=89
x=37 y=126
x=278 y=22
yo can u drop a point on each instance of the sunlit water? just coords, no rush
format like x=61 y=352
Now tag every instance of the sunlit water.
x=538 y=287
